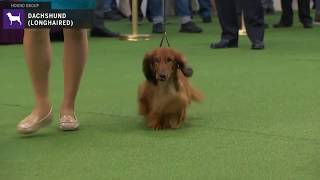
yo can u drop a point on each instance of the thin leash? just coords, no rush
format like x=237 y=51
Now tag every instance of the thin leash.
x=186 y=70
x=165 y=35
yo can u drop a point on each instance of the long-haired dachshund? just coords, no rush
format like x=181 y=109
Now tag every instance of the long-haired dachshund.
x=166 y=93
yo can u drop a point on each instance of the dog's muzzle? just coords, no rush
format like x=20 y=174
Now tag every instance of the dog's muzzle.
x=162 y=77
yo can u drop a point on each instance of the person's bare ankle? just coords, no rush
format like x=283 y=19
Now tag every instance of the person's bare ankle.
x=67 y=108
x=66 y=111
x=42 y=109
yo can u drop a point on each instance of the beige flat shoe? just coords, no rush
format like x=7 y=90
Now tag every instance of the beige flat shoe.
x=69 y=123
x=33 y=123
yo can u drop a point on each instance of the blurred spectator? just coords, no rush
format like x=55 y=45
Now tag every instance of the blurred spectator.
x=287 y=14
x=184 y=12
x=205 y=10
x=111 y=11
x=214 y=8
x=98 y=29
x=155 y=13
x=228 y=13
x=268 y=7
x=317 y=16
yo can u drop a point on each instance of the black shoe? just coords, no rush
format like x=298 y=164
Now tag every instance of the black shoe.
x=281 y=25
x=98 y=32
x=207 y=19
x=316 y=20
x=307 y=25
x=258 y=45
x=224 y=43
x=112 y=15
x=190 y=27
x=269 y=11
x=158 y=28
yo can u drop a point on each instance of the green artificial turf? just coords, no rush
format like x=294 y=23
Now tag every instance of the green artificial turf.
x=260 y=119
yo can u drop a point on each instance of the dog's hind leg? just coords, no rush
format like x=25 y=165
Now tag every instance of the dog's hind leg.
x=174 y=123
x=155 y=125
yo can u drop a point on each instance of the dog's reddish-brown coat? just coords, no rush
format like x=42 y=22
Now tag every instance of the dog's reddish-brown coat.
x=163 y=104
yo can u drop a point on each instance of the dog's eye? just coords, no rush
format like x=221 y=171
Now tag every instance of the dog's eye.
x=169 y=60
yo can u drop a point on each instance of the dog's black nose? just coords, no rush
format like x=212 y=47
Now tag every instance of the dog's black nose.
x=162 y=77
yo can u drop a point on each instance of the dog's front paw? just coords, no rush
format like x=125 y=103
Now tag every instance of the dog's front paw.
x=155 y=126
x=175 y=124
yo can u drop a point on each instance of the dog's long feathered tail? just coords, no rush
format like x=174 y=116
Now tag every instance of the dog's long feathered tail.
x=196 y=95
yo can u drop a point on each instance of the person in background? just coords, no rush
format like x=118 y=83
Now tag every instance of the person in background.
x=155 y=13
x=98 y=29
x=317 y=15
x=214 y=8
x=110 y=11
x=183 y=10
x=229 y=13
x=205 y=10
x=268 y=7
x=287 y=14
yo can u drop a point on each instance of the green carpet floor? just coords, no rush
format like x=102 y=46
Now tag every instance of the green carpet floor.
x=260 y=119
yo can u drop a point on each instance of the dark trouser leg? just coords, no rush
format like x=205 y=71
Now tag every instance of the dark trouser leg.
x=304 y=11
x=155 y=11
x=205 y=8
x=98 y=15
x=287 y=12
x=254 y=19
x=228 y=18
x=183 y=10
x=317 y=8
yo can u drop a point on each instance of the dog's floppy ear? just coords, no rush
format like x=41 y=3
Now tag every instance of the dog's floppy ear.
x=182 y=64
x=148 y=67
